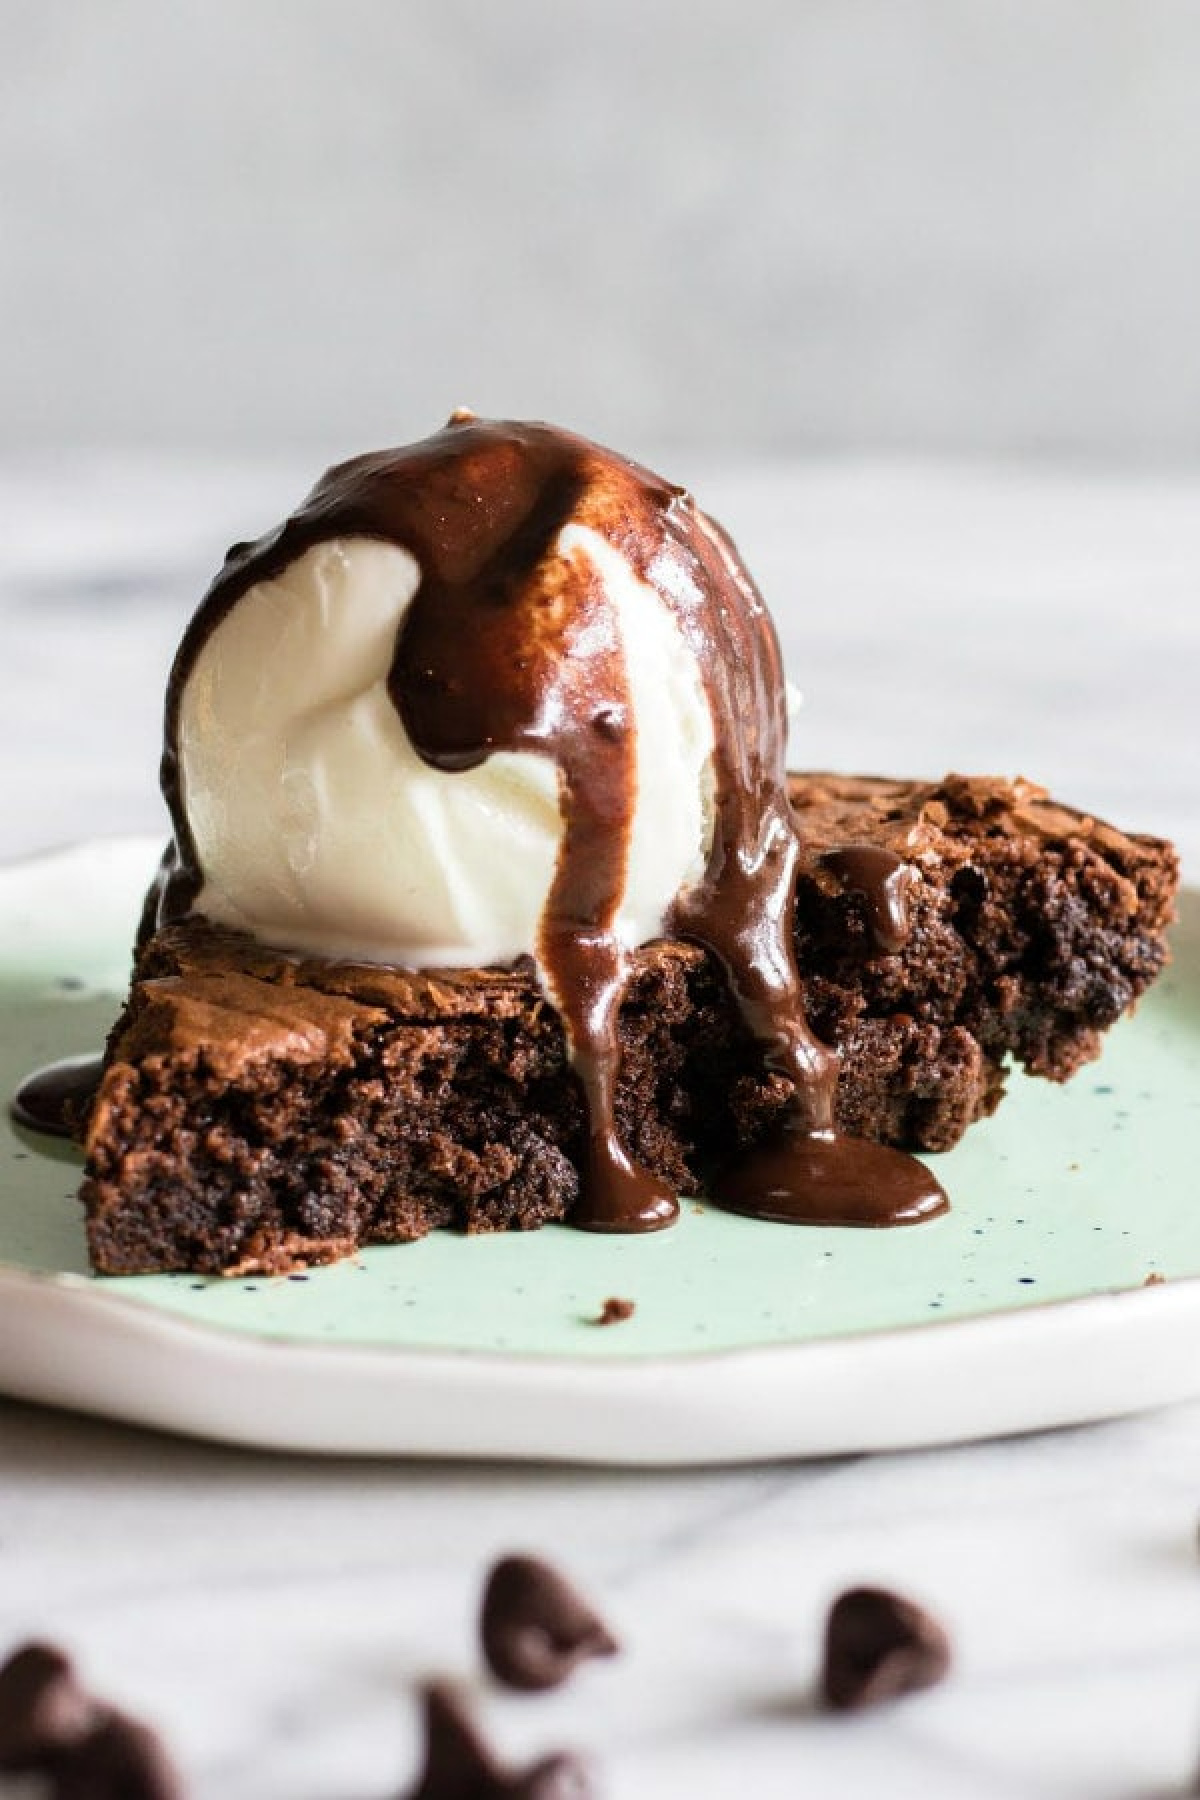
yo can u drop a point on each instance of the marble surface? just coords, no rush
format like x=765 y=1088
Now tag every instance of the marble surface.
x=273 y=1614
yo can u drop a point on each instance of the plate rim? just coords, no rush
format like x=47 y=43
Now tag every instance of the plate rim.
x=726 y=1407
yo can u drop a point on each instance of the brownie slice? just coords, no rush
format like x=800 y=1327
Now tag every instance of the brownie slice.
x=259 y=1112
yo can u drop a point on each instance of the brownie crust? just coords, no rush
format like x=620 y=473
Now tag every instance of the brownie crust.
x=258 y=1113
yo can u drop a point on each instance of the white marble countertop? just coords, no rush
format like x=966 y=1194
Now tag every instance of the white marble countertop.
x=272 y=1614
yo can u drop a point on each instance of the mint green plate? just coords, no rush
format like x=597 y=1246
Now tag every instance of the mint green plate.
x=1025 y=1306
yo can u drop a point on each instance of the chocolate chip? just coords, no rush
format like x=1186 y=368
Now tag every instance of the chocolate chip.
x=51 y=1725
x=119 y=1760
x=43 y=1709
x=557 y=1778
x=879 y=1645
x=460 y=1766
x=614 y=1312
x=535 y=1626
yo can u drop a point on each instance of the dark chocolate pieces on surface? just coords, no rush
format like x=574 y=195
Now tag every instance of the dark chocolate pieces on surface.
x=459 y=1765
x=535 y=1627
x=84 y=1749
x=44 y=1711
x=120 y=1760
x=879 y=1645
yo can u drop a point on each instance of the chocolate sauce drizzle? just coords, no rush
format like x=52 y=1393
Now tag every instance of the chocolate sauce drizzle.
x=885 y=881
x=511 y=643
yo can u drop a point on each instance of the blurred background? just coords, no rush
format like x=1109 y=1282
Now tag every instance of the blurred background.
x=968 y=225
x=907 y=290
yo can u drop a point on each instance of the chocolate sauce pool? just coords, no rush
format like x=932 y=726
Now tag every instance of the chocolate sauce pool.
x=510 y=644
x=56 y=1100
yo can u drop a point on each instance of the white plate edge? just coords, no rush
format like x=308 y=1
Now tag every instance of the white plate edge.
x=111 y=1356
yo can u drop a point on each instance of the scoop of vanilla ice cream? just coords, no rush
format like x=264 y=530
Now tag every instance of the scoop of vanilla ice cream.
x=319 y=829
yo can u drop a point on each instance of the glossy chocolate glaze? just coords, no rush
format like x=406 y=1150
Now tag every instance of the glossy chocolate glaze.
x=511 y=643
x=56 y=1100
x=799 y=1177
x=884 y=880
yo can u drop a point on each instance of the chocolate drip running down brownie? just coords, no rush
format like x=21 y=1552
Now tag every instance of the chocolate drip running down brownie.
x=259 y=1112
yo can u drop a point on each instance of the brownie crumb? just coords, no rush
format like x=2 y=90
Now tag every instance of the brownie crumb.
x=879 y=1645
x=614 y=1311
x=459 y=1765
x=535 y=1627
x=1154 y=1279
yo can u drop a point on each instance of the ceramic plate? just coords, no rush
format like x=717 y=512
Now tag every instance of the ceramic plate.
x=1027 y=1306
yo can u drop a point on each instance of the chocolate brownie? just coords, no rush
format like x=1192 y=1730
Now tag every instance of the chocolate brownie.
x=258 y=1112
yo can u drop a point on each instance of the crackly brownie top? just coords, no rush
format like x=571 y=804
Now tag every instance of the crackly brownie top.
x=923 y=819
x=938 y=829
x=205 y=987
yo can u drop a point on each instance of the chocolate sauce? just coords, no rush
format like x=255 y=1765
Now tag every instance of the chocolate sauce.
x=510 y=643
x=884 y=880
x=55 y=1100
x=823 y=1178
